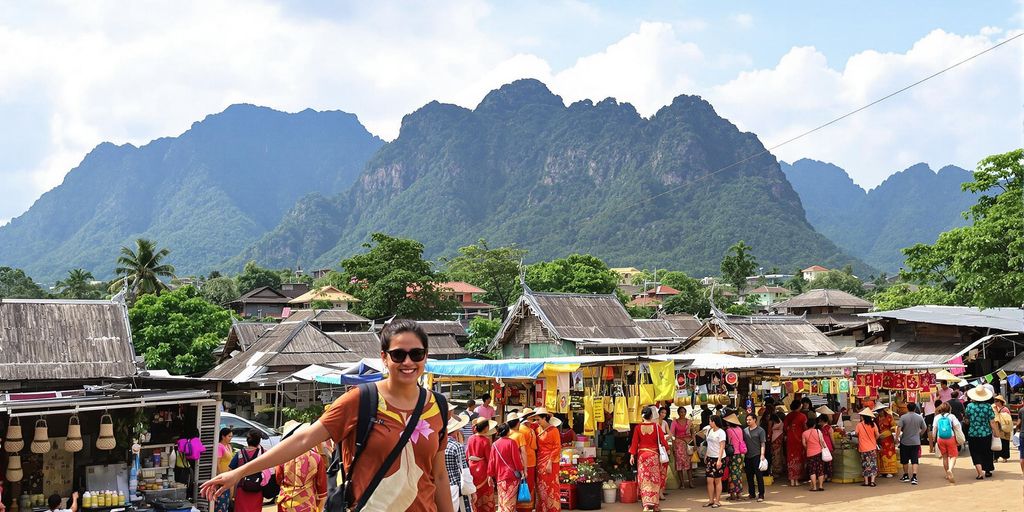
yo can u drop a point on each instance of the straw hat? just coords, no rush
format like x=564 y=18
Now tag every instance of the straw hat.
x=554 y=422
x=999 y=398
x=491 y=425
x=947 y=376
x=526 y=413
x=824 y=410
x=457 y=422
x=732 y=418
x=880 y=407
x=867 y=412
x=512 y=416
x=979 y=394
x=291 y=426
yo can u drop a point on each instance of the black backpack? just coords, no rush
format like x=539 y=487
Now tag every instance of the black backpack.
x=340 y=499
x=253 y=482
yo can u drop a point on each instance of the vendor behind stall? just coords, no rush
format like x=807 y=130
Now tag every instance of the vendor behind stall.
x=55 y=501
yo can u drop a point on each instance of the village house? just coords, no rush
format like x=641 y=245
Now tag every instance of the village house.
x=263 y=302
x=758 y=335
x=337 y=298
x=467 y=296
x=766 y=295
x=626 y=274
x=812 y=272
x=655 y=296
x=835 y=312
x=332 y=320
x=569 y=324
x=293 y=290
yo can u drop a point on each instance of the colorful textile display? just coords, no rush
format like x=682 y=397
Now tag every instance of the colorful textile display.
x=663 y=376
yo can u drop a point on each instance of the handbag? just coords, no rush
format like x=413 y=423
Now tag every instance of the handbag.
x=662 y=452
x=826 y=455
x=763 y=465
x=996 y=444
x=958 y=433
x=468 y=487
x=524 y=492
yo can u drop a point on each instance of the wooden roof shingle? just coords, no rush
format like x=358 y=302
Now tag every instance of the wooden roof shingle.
x=287 y=344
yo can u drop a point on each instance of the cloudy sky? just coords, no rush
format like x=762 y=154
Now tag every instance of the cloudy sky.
x=74 y=74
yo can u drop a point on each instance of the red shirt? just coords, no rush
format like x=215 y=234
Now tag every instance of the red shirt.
x=647 y=436
x=506 y=459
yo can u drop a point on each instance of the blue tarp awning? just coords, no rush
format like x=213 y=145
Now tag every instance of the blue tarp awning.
x=484 y=368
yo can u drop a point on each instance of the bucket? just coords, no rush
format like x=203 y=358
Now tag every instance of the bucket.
x=41 y=437
x=106 y=441
x=628 y=492
x=73 y=443
x=14 y=442
x=769 y=480
x=610 y=495
x=14 y=471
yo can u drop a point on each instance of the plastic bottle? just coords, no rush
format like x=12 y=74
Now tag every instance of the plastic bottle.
x=87 y=499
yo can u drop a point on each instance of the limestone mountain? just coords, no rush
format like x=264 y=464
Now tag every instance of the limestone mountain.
x=598 y=178
x=911 y=206
x=206 y=194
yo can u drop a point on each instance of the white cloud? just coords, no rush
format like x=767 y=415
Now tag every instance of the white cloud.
x=957 y=118
x=743 y=20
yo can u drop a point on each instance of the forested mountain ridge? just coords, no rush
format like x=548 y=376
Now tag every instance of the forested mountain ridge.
x=911 y=206
x=205 y=194
x=597 y=178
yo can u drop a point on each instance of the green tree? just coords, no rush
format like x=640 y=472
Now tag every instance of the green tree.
x=493 y=269
x=903 y=295
x=981 y=264
x=577 y=273
x=15 y=284
x=392 y=278
x=78 y=285
x=641 y=311
x=220 y=290
x=838 y=280
x=739 y=309
x=797 y=284
x=737 y=264
x=481 y=333
x=254 y=276
x=178 y=330
x=693 y=298
x=141 y=269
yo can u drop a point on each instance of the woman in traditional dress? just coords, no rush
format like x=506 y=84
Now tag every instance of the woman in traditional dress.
x=666 y=430
x=549 y=454
x=734 y=435
x=644 y=452
x=867 y=445
x=303 y=481
x=506 y=466
x=478 y=453
x=888 y=458
x=794 y=426
x=681 y=439
x=225 y=452
x=778 y=441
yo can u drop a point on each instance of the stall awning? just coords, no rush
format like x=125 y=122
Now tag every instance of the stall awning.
x=128 y=399
x=726 y=361
x=518 y=368
x=913 y=354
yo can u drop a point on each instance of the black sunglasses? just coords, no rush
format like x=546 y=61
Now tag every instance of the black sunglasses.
x=398 y=355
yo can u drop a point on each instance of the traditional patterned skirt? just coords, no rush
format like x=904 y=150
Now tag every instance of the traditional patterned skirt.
x=508 y=493
x=711 y=468
x=531 y=482
x=795 y=464
x=778 y=457
x=736 y=474
x=815 y=466
x=682 y=458
x=869 y=463
x=546 y=498
x=650 y=477
x=483 y=500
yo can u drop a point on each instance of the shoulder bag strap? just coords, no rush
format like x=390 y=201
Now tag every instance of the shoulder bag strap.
x=404 y=440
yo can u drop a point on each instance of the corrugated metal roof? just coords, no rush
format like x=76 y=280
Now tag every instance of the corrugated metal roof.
x=245 y=334
x=1015 y=365
x=830 y=319
x=436 y=327
x=56 y=339
x=683 y=325
x=912 y=351
x=1003 y=319
x=655 y=328
x=823 y=298
x=286 y=344
x=330 y=316
x=766 y=334
x=582 y=316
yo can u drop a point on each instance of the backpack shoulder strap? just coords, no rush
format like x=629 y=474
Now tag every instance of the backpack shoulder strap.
x=442 y=405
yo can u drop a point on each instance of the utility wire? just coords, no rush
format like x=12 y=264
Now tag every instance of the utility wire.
x=833 y=121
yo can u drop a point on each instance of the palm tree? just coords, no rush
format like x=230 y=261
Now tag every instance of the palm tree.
x=77 y=285
x=140 y=270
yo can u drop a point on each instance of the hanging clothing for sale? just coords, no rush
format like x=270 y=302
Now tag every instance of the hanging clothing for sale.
x=589 y=420
x=620 y=417
x=663 y=374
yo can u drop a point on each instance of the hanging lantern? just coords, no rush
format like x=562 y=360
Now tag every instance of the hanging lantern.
x=73 y=443
x=14 y=471
x=106 y=441
x=14 y=441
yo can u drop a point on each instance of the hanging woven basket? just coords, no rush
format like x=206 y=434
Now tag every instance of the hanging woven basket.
x=14 y=441
x=73 y=442
x=14 y=471
x=106 y=441
x=41 y=437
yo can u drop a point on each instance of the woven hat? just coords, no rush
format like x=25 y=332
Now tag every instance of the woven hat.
x=999 y=398
x=824 y=410
x=879 y=407
x=292 y=426
x=526 y=413
x=979 y=394
x=457 y=422
x=491 y=425
x=554 y=422
x=732 y=418
x=867 y=412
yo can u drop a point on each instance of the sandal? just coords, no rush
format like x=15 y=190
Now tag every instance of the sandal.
x=874 y=484
x=706 y=505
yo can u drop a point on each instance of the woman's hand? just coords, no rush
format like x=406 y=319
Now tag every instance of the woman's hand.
x=718 y=462
x=632 y=460
x=220 y=484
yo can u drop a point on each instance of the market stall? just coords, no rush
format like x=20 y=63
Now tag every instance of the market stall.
x=115 y=446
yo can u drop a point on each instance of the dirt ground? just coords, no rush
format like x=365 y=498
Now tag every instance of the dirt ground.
x=1003 y=492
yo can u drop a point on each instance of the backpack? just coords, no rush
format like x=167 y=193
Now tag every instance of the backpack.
x=340 y=498
x=254 y=482
x=945 y=427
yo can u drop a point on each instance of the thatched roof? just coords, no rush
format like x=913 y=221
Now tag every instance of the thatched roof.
x=823 y=298
x=64 y=339
x=766 y=334
x=284 y=346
